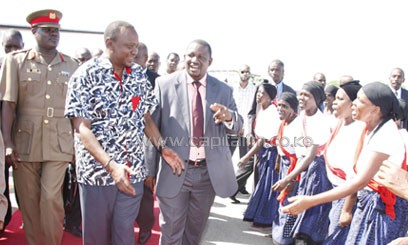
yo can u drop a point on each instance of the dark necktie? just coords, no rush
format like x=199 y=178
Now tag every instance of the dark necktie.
x=198 y=116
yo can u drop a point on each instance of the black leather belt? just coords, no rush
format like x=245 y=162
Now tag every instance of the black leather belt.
x=197 y=163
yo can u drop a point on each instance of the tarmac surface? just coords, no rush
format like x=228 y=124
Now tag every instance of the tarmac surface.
x=225 y=225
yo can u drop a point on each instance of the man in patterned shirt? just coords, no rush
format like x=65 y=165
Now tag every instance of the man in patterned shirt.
x=110 y=103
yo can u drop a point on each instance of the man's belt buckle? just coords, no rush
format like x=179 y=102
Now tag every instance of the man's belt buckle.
x=197 y=163
x=50 y=112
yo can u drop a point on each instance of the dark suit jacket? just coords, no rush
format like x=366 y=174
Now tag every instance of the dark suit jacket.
x=404 y=96
x=173 y=120
x=151 y=76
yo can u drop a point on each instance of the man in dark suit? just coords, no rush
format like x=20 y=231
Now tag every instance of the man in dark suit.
x=151 y=76
x=276 y=71
x=397 y=78
x=195 y=113
x=145 y=218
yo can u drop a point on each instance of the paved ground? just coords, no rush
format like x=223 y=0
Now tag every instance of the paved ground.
x=225 y=225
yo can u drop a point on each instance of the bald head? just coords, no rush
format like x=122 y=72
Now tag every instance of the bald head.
x=83 y=55
x=345 y=79
x=153 y=62
x=244 y=73
x=320 y=77
x=12 y=41
x=97 y=52
x=244 y=67
x=142 y=55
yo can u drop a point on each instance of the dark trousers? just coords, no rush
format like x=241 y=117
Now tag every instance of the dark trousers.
x=242 y=175
x=73 y=216
x=145 y=218
x=72 y=206
x=6 y=193
x=7 y=218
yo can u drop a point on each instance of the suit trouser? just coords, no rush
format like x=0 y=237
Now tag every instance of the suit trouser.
x=73 y=216
x=72 y=206
x=6 y=193
x=242 y=175
x=108 y=215
x=3 y=198
x=183 y=217
x=145 y=218
x=39 y=185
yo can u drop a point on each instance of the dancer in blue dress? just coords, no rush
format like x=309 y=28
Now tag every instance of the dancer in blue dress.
x=380 y=216
x=283 y=223
x=339 y=156
x=262 y=206
x=313 y=128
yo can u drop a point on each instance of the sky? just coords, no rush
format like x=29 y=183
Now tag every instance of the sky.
x=362 y=38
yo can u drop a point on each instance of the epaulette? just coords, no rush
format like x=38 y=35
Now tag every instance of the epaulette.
x=20 y=51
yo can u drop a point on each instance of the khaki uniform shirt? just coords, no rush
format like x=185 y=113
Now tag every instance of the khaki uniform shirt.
x=40 y=133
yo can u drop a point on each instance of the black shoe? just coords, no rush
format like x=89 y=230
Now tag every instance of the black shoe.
x=234 y=200
x=74 y=230
x=144 y=236
x=244 y=191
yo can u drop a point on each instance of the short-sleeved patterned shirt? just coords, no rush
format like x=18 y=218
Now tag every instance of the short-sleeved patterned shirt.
x=116 y=111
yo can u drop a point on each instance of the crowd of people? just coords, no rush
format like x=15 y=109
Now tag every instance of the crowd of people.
x=92 y=138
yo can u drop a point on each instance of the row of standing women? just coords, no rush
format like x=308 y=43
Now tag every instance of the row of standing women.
x=318 y=183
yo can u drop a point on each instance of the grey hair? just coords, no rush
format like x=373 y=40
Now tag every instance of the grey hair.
x=113 y=29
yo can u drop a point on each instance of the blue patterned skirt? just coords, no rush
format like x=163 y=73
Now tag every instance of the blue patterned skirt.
x=312 y=224
x=263 y=206
x=283 y=223
x=371 y=225
x=337 y=234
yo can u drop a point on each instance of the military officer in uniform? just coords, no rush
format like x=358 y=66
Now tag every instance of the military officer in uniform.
x=37 y=137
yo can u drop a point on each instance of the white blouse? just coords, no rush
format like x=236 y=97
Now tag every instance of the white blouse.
x=267 y=123
x=340 y=152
